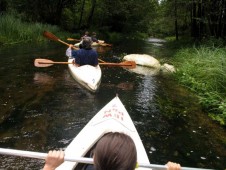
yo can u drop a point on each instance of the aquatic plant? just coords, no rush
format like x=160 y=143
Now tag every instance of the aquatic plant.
x=203 y=70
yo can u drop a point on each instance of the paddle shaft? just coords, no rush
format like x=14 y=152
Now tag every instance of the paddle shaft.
x=38 y=155
x=67 y=44
x=102 y=44
x=107 y=64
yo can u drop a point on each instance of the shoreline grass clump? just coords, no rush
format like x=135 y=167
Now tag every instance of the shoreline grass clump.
x=203 y=70
x=13 y=30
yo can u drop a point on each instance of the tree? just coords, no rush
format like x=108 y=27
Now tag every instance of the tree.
x=91 y=14
x=3 y=6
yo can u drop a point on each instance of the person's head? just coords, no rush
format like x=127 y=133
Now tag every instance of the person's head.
x=115 y=151
x=94 y=34
x=86 y=43
x=87 y=33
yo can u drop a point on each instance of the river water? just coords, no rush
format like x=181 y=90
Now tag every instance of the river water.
x=44 y=108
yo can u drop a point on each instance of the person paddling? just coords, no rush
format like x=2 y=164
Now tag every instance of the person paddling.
x=114 y=151
x=94 y=37
x=84 y=56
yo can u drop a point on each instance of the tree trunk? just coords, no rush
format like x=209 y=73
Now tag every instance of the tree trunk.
x=81 y=14
x=58 y=13
x=194 y=28
x=175 y=16
x=89 y=22
x=3 y=6
x=200 y=18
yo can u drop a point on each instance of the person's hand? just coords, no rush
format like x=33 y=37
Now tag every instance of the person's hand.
x=173 y=166
x=73 y=62
x=71 y=46
x=54 y=159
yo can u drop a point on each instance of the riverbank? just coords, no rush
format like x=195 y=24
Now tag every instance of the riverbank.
x=13 y=31
x=202 y=69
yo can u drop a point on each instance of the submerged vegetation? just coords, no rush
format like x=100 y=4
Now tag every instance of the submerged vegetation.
x=203 y=70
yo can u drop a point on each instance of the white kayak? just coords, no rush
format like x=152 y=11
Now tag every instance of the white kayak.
x=88 y=76
x=94 y=44
x=113 y=117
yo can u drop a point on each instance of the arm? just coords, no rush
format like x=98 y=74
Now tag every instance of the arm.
x=53 y=160
x=95 y=59
x=69 y=51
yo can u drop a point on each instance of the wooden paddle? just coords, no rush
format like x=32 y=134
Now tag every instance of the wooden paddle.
x=72 y=39
x=101 y=44
x=38 y=155
x=105 y=44
x=47 y=63
x=51 y=36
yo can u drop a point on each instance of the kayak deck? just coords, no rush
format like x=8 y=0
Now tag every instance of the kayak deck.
x=88 y=76
x=113 y=117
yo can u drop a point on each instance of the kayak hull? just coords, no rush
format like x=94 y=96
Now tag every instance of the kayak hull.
x=87 y=76
x=113 y=117
x=94 y=44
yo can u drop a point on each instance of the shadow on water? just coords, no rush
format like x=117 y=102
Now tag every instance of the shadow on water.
x=44 y=108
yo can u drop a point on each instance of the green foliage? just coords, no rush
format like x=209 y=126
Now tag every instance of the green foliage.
x=13 y=30
x=67 y=20
x=115 y=37
x=203 y=70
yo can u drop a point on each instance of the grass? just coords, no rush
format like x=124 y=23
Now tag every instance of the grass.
x=13 y=30
x=203 y=70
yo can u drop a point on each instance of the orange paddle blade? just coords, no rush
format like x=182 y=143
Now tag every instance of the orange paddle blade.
x=46 y=63
x=50 y=36
x=72 y=39
x=125 y=64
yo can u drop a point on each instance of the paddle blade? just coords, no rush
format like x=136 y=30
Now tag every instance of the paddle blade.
x=129 y=64
x=50 y=36
x=106 y=45
x=125 y=64
x=42 y=63
x=72 y=39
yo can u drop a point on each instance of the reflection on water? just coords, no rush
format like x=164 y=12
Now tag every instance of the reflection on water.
x=44 y=108
x=121 y=86
x=145 y=71
x=145 y=94
x=43 y=79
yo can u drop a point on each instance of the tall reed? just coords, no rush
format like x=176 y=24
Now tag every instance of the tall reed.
x=14 y=30
x=203 y=70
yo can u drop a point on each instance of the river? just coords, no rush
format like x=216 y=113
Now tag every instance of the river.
x=44 y=108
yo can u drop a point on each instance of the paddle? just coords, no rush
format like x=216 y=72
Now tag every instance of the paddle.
x=102 y=44
x=38 y=155
x=46 y=63
x=51 y=36
x=72 y=39
x=105 y=44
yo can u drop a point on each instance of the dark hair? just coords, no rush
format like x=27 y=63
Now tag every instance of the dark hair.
x=115 y=151
x=86 y=43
